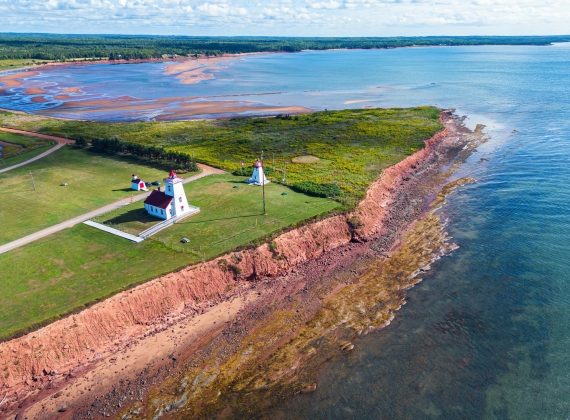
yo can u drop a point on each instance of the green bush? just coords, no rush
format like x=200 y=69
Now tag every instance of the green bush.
x=80 y=142
x=354 y=222
x=248 y=171
x=234 y=269
x=318 y=190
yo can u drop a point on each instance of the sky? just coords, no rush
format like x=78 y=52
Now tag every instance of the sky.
x=288 y=17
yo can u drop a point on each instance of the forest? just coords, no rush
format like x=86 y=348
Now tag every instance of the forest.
x=127 y=47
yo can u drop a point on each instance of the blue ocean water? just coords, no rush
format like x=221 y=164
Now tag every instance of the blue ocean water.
x=488 y=335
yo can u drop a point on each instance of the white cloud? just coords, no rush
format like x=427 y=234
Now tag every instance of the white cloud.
x=221 y=9
x=330 y=4
x=288 y=17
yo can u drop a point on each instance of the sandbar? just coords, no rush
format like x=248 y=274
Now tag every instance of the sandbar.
x=72 y=90
x=193 y=70
x=63 y=97
x=39 y=99
x=35 y=91
x=14 y=80
x=170 y=108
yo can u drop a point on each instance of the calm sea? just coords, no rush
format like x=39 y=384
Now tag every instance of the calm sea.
x=488 y=335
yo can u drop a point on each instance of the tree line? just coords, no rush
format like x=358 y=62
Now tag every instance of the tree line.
x=151 y=153
x=64 y=47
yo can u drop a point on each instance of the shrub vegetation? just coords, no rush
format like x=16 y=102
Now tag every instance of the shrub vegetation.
x=353 y=146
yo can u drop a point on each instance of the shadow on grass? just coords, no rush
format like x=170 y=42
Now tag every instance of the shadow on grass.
x=135 y=215
x=190 y=222
x=124 y=189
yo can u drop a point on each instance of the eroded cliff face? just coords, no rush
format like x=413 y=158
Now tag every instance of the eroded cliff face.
x=32 y=361
x=371 y=211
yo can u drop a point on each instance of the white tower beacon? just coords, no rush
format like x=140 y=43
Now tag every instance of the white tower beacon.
x=170 y=203
x=258 y=177
x=175 y=189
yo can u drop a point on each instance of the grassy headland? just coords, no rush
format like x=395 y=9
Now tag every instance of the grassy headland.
x=353 y=146
x=74 y=267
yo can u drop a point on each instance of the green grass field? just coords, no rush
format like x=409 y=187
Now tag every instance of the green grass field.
x=354 y=146
x=14 y=145
x=13 y=64
x=21 y=157
x=228 y=215
x=94 y=180
x=27 y=142
x=76 y=266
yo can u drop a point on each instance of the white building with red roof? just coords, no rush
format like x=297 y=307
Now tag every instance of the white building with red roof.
x=138 y=184
x=169 y=203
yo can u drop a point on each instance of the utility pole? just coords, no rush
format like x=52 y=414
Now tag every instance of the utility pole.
x=263 y=185
x=285 y=173
x=33 y=183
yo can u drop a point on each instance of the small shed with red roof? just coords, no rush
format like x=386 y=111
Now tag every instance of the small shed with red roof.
x=138 y=184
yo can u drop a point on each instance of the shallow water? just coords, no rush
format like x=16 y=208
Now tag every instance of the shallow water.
x=487 y=336
x=491 y=83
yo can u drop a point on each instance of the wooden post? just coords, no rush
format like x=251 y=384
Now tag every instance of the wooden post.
x=33 y=182
x=263 y=185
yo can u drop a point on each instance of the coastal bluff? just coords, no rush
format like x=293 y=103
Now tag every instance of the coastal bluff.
x=48 y=355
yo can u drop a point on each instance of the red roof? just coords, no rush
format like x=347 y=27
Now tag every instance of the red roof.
x=158 y=199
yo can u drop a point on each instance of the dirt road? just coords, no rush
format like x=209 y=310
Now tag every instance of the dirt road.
x=60 y=143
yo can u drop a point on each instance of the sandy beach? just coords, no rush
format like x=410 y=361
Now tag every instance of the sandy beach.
x=111 y=364
x=15 y=80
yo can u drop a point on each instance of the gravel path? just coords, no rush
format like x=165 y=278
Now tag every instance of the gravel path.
x=206 y=170
x=60 y=143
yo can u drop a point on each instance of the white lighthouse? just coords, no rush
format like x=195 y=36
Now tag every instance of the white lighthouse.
x=170 y=203
x=258 y=177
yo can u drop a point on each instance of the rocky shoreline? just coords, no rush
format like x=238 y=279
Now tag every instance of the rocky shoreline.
x=133 y=351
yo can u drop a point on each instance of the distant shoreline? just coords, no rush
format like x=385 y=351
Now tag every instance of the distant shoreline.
x=180 y=58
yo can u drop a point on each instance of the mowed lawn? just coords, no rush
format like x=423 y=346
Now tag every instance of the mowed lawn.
x=80 y=265
x=21 y=157
x=231 y=214
x=93 y=179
